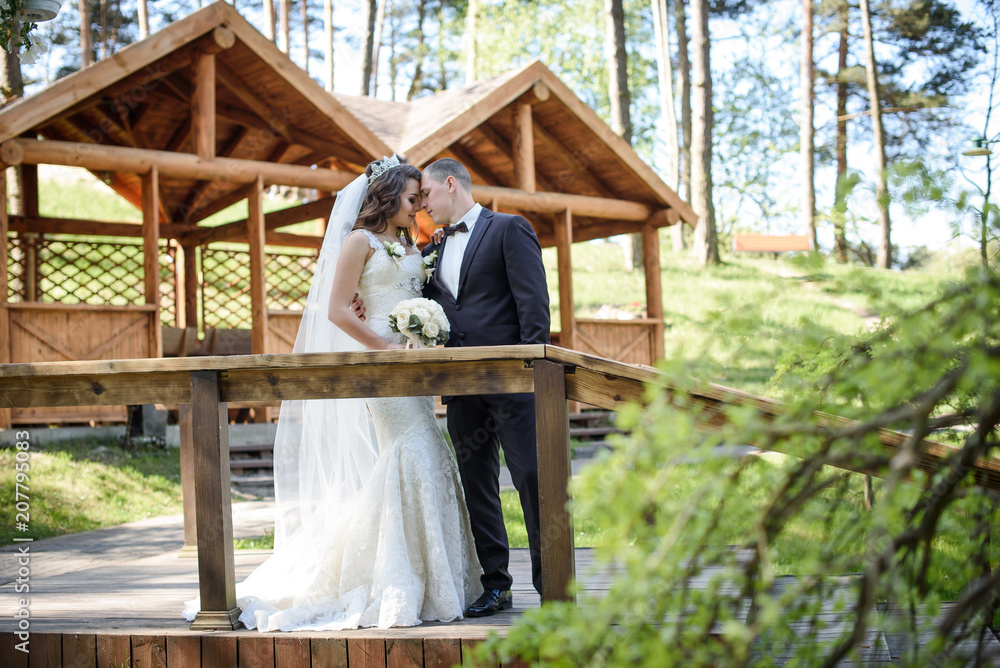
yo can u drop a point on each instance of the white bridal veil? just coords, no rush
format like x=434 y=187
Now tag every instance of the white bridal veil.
x=324 y=449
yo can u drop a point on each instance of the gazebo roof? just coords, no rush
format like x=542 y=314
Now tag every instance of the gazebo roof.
x=575 y=151
x=267 y=109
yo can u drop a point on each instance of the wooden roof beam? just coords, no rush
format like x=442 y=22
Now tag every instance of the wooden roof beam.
x=271 y=119
x=549 y=202
x=237 y=229
x=197 y=193
x=172 y=165
x=49 y=225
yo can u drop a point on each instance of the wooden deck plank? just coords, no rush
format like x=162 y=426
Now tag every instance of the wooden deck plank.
x=294 y=652
x=183 y=650
x=113 y=649
x=404 y=653
x=218 y=651
x=442 y=652
x=149 y=651
x=366 y=652
x=256 y=651
x=329 y=651
x=79 y=650
x=46 y=651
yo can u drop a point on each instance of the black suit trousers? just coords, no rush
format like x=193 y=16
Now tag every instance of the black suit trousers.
x=479 y=425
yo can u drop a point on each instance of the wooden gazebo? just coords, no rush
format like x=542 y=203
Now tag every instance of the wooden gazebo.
x=534 y=148
x=207 y=113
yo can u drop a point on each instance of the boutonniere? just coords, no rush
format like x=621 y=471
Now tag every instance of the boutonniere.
x=430 y=264
x=395 y=250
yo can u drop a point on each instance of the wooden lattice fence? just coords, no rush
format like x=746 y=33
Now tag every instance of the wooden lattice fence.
x=61 y=269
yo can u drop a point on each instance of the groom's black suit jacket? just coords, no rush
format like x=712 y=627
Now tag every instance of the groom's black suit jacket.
x=502 y=295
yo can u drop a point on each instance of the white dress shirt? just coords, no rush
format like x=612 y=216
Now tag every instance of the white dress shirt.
x=450 y=262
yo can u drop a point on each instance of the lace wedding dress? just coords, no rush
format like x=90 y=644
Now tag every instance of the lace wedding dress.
x=400 y=550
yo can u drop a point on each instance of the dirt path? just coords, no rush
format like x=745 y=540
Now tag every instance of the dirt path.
x=871 y=318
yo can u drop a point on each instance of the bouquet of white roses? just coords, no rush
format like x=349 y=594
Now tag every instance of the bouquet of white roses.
x=422 y=321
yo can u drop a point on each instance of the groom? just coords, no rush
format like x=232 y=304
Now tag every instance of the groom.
x=490 y=281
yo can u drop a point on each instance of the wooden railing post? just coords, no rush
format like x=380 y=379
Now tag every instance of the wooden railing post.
x=552 y=429
x=216 y=569
x=187 y=478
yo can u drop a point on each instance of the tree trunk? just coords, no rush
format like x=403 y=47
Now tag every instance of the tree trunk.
x=684 y=89
x=806 y=130
x=665 y=77
x=103 y=17
x=286 y=33
x=705 y=247
x=442 y=52
x=418 y=70
x=840 y=192
x=884 y=260
x=379 y=21
x=143 y=19
x=305 y=35
x=11 y=81
x=328 y=43
x=470 y=41
x=614 y=14
x=86 y=49
x=269 y=18
x=367 y=46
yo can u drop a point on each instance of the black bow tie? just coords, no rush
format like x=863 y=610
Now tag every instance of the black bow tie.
x=451 y=229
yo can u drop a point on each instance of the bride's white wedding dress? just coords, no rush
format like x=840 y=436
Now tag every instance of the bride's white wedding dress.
x=399 y=551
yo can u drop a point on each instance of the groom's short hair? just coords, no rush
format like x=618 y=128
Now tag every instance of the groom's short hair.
x=441 y=169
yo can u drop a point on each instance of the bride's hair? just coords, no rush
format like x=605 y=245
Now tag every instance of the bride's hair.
x=382 y=200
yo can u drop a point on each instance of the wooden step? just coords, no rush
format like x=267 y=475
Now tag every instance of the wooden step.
x=253 y=447
x=252 y=480
x=251 y=464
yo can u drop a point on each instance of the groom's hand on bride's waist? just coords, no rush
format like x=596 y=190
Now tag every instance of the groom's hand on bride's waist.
x=358 y=306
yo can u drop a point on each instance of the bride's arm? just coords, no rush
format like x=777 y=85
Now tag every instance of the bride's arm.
x=345 y=284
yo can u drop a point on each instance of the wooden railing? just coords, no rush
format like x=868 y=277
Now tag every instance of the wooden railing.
x=206 y=384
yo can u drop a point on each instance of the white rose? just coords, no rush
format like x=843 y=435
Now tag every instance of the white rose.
x=422 y=313
x=431 y=330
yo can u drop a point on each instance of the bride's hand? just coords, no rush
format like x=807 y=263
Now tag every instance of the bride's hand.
x=395 y=346
x=437 y=236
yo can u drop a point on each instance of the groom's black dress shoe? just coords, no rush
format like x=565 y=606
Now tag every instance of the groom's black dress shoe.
x=491 y=602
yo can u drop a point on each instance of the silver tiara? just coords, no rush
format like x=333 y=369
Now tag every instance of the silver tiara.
x=383 y=166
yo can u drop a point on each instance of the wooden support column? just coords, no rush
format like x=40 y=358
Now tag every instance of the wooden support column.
x=28 y=187
x=151 y=255
x=190 y=305
x=180 y=313
x=187 y=478
x=524 y=147
x=552 y=430
x=203 y=106
x=214 y=511
x=258 y=283
x=4 y=315
x=564 y=263
x=654 y=285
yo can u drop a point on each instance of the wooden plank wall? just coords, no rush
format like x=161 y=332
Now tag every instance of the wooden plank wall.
x=44 y=332
x=249 y=649
x=282 y=328
x=628 y=341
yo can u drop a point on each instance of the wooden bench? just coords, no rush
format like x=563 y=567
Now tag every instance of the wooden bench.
x=770 y=243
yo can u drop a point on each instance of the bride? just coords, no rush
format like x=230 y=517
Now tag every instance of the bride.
x=371 y=526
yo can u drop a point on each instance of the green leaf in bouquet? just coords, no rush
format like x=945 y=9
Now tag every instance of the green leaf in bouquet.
x=414 y=323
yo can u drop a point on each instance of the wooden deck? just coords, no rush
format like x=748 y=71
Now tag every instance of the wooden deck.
x=108 y=597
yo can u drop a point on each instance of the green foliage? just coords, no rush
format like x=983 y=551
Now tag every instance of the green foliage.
x=685 y=593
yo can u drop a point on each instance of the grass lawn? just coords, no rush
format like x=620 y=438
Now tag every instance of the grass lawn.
x=84 y=485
